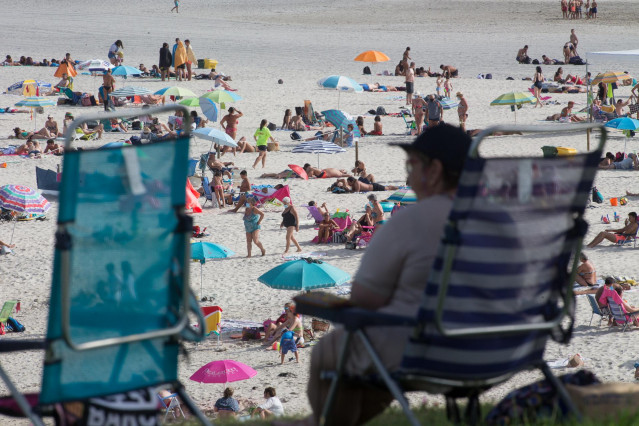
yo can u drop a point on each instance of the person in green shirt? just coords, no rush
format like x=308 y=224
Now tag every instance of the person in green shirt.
x=261 y=136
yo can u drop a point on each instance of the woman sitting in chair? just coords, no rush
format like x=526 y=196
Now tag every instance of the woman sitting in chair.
x=357 y=228
x=326 y=228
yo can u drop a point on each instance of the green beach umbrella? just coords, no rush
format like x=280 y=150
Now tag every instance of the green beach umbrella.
x=190 y=102
x=176 y=91
x=514 y=99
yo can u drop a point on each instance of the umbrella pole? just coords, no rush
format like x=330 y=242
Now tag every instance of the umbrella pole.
x=201 y=278
x=339 y=93
x=15 y=220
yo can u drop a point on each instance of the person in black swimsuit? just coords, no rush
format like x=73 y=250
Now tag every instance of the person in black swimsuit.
x=358 y=227
x=537 y=82
x=291 y=222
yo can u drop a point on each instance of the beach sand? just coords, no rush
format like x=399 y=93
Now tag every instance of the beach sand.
x=301 y=42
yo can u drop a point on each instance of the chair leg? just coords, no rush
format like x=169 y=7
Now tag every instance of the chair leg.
x=561 y=390
x=192 y=407
x=473 y=411
x=332 y=392
x=452 y=410
x=591 y=317
x=390 y=383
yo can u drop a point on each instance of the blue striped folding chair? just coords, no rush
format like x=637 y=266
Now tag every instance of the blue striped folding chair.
x=497 y=291
x=603 y=312
x=120 y=295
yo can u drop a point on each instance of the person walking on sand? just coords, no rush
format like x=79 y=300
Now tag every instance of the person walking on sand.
x=262 y=136
x=405 y=58
x=190 y=59
x=113 y=52
x=166 y=58
x=229 y=123
x=176 y=7
x=252 y=219
x=410 y=83
x=290 y=221
x=538 y=80
x=462 y=110
x=179 y=59
x=574 y=40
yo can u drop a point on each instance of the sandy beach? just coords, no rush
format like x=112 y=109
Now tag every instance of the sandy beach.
x=258 y=43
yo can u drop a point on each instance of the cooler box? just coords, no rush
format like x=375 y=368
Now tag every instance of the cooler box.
x=549 y=151
x=200 y=63
x=210 y=64
x=564 y=151
x=387 y=206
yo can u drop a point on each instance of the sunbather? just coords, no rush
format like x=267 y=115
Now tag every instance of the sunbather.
x=53 y=148
x=328 y=172
x=362 y=185
x=357 y=227
x=629 y=163
x=360 y=171
x=618 y=235
x=586 y=273
x=326 y=228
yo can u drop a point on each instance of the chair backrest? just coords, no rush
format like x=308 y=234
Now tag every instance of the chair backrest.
x=207 y=188
x=107 y=125
x=594 y=305
x=617 y=311
x=120 y=297
x=496 y=291
x=212 y=318
x=315 y=213
x=280 y=194
x=7 y=310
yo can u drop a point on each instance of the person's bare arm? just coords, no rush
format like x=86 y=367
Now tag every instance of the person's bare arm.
x=297 y=219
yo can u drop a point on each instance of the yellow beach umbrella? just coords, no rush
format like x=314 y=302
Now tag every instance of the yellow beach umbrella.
x=610 y=77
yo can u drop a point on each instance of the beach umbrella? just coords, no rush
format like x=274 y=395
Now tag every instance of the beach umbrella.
x=341 y=120
x=203 y=250
x=125 y=70
x=190 y=102
x=341 y=84
x=223 y=371
x=215 y=136
x=448 y=103
x=209 y=109
x=65 y=68
x=610 y=77
x=117 y=144
x=95 y=65
x=623 y=123
x=176 y=91
x=514 y=99
x=372 y=56
x=404 y=195
x=129 y=91
x=318 y=146
x=298 y=170
x=35 y=102
x=303 y=275
x=24 y=200
x=29 y=88
x=221 y=96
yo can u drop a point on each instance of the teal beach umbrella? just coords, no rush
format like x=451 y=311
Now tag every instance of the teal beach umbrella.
x=304 y=274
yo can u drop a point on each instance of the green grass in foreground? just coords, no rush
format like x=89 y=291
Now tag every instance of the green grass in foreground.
x=437 y=417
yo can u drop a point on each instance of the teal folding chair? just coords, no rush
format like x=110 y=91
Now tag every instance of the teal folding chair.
x=120 y=295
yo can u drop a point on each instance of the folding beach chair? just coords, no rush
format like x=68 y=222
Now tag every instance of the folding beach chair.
x=172 y=406
x=603 y=312
x=314 y=212
x=311 y=118
x=120 y=295
x=497 y=292
x=208 y=194
x=7 y=310
x=410 y=124
x=628 y=240
x=620 y=315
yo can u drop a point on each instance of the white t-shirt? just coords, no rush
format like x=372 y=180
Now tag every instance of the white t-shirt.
x=113 y=48
x=274 y=405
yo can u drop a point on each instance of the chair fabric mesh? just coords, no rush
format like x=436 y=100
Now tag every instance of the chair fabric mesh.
x=120 y=209
x=512 y=231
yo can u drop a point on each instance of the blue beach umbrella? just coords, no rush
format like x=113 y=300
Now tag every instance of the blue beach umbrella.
x=125 y=70
x=203 y=250
x=341 y=120
x=209 y=109
x=129 y=91
x=29 y=87
x=448 y=103
x=341 y=84
x=623 y=123
x=215 y=136
x=404 y=195
x=304 y=274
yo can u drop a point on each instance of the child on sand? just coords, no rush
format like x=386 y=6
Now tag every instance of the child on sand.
x=448 y=87
x=176 y=7
x=287 y=343
x=218 y=187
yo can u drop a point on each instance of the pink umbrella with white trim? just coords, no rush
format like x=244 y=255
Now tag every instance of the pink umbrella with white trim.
x=223 y=371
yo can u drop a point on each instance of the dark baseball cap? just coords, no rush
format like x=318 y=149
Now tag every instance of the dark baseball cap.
x=446 y=143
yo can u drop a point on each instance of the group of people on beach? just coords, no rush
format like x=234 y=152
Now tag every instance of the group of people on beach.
x=572 y=9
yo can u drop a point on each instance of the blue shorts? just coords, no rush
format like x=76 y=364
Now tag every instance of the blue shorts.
x=111 y=55
x=288 y=345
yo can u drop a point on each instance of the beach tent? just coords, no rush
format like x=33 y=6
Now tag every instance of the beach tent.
x=65 y=68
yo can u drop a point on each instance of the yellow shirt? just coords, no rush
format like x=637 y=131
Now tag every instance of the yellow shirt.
x=262 y=136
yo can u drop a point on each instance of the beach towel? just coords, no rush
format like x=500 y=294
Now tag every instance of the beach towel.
x=179 y=56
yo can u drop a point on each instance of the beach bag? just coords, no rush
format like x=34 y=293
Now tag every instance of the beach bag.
x=338 y=190
x=596 y=196
x=136 y=125
x=15 y=325
x=350 y=245
x=2 y=330
x=489 y=76
x=381 y=110
x=367 y=70
x=251 y=333
x=535 y=61
x=339 y=237
x=295 y=136
x=319 y=325
x=135 y=140
x=272 y=127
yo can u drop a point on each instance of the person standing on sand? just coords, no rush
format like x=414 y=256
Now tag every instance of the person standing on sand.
x=252 y=219
x=574 y=40
x=462 y=110
x=538 y=83
x=405 y=58
x=229 y=123
x=261 y=136
x=290 y=221
x=179 y=59
x=113 y=52
x=410 y=83
x=176 y=7
x=190 y=59
x=166 y=58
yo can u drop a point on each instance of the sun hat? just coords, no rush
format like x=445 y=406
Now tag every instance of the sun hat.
x=146 y=130
x=446 y=143
x=459 y=94
x=286 y=200
x=68 y=114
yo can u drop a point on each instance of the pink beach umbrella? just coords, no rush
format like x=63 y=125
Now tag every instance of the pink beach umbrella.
x=223 y=371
